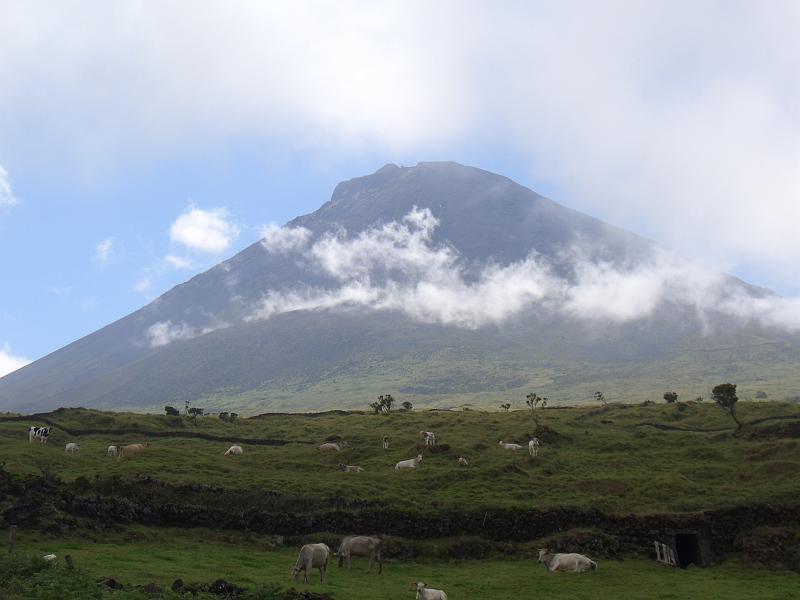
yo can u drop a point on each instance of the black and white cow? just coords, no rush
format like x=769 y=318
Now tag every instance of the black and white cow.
x=38 y=433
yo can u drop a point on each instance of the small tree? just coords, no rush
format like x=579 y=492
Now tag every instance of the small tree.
x=407 y=405
x=725 y=396
x=534 y=401
x=671 y=397
x=171 y=411
x=506 y=406
x=600 y=397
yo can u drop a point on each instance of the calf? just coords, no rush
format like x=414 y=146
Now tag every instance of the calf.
x=463 y=461
x=312 y=556
x=71 y=447
x=430 y=439
x=38 y=433
x=533 y=447
x=386 y=442
x=111 y=451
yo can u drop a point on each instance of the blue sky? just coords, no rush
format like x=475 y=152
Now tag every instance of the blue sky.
x=142 y=143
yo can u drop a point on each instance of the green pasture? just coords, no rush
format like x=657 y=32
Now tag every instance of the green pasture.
x=161 y=556
x=599 y=457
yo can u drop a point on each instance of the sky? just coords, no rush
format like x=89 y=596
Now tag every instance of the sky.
x=142 y=143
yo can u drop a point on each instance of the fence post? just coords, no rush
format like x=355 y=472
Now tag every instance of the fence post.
x=12 y=539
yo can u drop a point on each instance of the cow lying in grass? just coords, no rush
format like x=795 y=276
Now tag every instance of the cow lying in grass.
x=411 y=463
x=566 y=562
x=333 y=446
x=505 y=446
x=349 y=468
x=426 y=593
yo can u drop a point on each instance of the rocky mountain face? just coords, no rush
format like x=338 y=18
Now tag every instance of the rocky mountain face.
x=441 y=284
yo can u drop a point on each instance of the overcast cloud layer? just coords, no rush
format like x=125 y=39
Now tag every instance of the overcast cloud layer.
x=679 y=120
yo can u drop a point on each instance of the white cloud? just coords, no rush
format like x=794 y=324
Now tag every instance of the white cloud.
x=7 y=198
x=208 y=231
x=178 y=262
x=163 y=333
x=103 y=251
x=679 y=120
x=281 y=240
x=397 y=267
x=143 y=285
x=9 y=362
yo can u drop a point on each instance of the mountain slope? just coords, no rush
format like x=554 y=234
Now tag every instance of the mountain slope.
x=288 y=327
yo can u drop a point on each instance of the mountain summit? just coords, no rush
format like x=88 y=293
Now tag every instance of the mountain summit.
x=441 y=284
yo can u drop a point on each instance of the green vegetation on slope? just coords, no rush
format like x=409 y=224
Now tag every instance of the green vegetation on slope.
x=605 y=457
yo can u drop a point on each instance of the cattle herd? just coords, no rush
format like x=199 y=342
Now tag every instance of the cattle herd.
x=316 y=556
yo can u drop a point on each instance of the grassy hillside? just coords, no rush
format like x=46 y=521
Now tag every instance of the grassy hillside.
x=183 y=510
x=601 y=457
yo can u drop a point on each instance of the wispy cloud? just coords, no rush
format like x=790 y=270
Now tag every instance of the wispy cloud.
x=281 y=240
x=163 y=333
x=10 y=362
x=7 y=198
x=397 y=267
x=210 y=231
x=178 y=262
x=103 y=252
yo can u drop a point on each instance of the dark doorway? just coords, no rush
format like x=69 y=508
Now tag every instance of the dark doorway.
x=688 y=550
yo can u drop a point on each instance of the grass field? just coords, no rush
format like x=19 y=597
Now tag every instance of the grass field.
x=618 y=459
x=144 y=556
x=599 y=457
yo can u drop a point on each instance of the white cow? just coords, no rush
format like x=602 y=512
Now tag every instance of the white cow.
x=333 y=446
x=411 y=463
x=111 y=451
x=430 y=439
x=312 y=556
x=533 y=447
x=566 y=562
x=349 y=468
x=514 y=447
x=49 y=557
x=426 y=593
x=71 y=447
x=234 y=451
x=463 y=461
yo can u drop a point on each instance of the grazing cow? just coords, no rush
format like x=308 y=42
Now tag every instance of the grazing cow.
x=233 y=451
x=333 y=446
x=312 y=556
x=361 y=545
x=49 y=557
x=463 y=461
x=566 y=562
x=426 y=593
x=533 y=447
x=430 y=439
x=349 y=468
x=111 y=451
x=386 y=442
x=411 y=463
x=510 y=446
x=71 y=447
x=39 y=433
x=132 y=449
